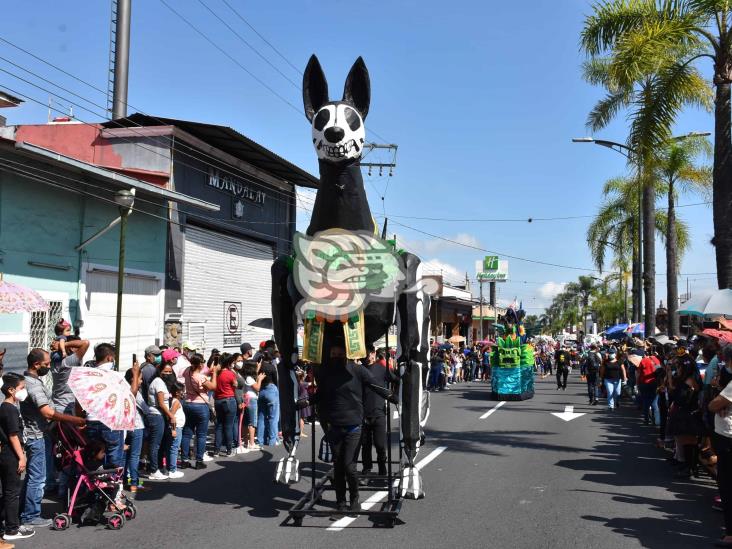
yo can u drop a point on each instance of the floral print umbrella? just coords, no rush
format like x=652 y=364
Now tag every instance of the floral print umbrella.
x=105 y=396
x=15 y=298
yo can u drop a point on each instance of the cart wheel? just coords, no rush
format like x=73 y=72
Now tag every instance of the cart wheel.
x=115 y=521
x=61 y=521
x=297 y=521
x=130 y=511
x=389 y=523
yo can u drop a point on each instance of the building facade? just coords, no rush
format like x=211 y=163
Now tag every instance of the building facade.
x=197 y=268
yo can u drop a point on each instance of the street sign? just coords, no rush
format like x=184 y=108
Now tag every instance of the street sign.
x=232 y=323
x=491 y=269
x=490 y=263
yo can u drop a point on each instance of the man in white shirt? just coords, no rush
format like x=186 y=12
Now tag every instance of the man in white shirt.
x=721 y=407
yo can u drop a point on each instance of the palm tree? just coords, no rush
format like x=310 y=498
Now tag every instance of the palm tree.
x=646 y=32
x=653 y=93
x=615 y=225
x=615 y=228
x=677 y=169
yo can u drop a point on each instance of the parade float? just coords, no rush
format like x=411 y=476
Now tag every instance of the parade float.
x=512 y=360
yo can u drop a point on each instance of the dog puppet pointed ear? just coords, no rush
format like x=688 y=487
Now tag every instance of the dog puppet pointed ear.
x=314 y=88
x=358 y=88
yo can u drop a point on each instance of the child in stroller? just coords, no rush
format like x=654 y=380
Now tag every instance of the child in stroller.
x=94 y=494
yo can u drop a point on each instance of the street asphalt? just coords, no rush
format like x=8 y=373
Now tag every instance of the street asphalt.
x=510 y=476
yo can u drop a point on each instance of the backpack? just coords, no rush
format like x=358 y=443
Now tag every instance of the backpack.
x=592 y=364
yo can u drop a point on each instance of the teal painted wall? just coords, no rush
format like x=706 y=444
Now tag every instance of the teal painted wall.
x=41 y=223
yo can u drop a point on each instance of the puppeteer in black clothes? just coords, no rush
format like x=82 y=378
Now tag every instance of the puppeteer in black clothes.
x=339 y=400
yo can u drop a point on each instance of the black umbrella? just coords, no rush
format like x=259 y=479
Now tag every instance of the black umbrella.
x=265 y=323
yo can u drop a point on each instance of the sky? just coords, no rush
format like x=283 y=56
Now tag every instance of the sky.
x=482 y=100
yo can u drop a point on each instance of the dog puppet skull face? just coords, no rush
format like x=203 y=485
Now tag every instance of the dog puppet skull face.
x=338 y=126
x=338 y=133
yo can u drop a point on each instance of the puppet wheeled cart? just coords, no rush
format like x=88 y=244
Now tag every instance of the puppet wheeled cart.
x=385 y=516
x=310 y=504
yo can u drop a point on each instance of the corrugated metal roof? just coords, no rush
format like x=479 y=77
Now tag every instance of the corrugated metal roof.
x=230 y=141
x=7 y=100
x=120 y=179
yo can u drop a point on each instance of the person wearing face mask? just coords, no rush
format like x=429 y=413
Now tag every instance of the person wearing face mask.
x=96 y=430
x=184 y=360
x=153 y=358
x=195 y=407
x=612 y=372
x=268 y=403
x=37 y=412
x=225 y=405
x=12 y=457
x=239 y=393
x=160 y=415
x=721 y=407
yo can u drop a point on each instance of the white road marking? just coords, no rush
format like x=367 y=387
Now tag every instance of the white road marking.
x=568 y=415
x=377 y=497
x=489 y=412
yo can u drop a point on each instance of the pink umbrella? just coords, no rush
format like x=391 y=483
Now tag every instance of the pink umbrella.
x=106 y=395
x=722 y=335
x=15 y=298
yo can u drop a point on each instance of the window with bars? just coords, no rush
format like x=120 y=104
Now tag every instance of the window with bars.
x=42 y=324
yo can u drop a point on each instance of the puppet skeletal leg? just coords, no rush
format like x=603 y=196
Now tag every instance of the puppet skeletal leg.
x=411 y=360
x=284 y=322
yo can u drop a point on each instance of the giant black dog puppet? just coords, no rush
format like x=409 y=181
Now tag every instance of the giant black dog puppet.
x=344 y=283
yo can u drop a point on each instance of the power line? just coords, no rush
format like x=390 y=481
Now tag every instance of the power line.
x=31 y=175
x=255 y=50
x=288 y=198
x=232 y=58
x=250 y=73
x=522 y=220
x=248 y=24
x=493 y=251
x=169 y=139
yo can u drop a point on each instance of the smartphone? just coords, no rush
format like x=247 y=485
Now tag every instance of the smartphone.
x=134 y=358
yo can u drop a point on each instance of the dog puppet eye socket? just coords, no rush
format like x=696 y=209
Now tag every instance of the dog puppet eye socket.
x=352 y=119
x=321 y=119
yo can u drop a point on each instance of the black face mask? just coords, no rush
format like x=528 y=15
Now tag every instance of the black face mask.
x=43 y=370
x=169 y=379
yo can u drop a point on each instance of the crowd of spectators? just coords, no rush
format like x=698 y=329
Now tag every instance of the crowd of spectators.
x=449 y=365
x=178 y=394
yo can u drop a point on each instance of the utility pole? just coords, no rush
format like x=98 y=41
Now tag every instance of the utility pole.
x=392 y=148
x=480 y=283
x=119 y=58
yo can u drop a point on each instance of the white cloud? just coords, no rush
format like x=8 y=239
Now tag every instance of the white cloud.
x=436 y=246
x=450 y=273
x=551 y=289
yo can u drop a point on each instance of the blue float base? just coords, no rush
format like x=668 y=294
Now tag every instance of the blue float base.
x=512 y=383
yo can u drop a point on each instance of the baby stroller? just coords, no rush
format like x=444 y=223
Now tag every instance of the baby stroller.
x=94 y=494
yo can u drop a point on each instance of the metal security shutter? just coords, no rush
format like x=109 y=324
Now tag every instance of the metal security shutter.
x=142 y=319
x=221 y=269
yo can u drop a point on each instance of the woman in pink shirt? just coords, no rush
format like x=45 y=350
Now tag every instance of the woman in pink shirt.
x=195 y=407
